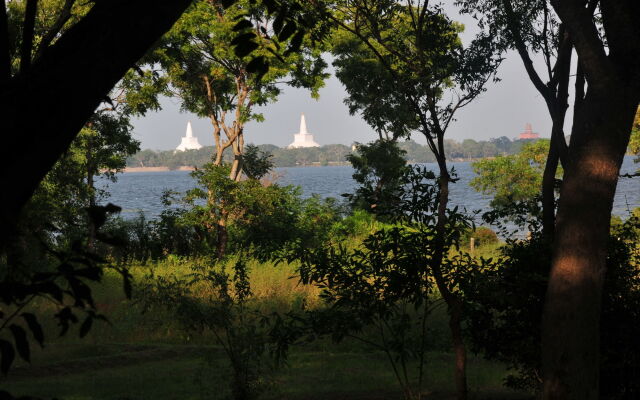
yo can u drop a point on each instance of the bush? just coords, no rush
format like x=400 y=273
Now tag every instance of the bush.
x=505 y=302
x=358 y=224
x=380 y=169
x=216 y=300
x=481 y=235
x=141 y=239
x=385 y=283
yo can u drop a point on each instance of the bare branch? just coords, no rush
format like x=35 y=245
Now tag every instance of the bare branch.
x=579 y=87
x=545 y=41
x=563 y=70
x=514 y=27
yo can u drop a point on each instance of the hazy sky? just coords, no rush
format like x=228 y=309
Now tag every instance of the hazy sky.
x=502 y=110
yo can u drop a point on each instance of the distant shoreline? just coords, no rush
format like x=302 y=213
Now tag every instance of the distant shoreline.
x=188 y=168
x=156 y=169
x=314 y=164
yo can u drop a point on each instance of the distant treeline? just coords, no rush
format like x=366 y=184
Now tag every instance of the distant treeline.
x=332 y=154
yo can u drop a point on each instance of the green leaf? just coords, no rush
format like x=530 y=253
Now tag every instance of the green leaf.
x=258 y=66
x=126 y=282
x=296 y=42
x=20 y=339
x=86 y=326
x=65 y=316
x=227 y=3
x=243 y=38
x=242 y=25
x=34 y=327
x=7 y=355
x=245 y=48
x=288 y=30
x=278 y=23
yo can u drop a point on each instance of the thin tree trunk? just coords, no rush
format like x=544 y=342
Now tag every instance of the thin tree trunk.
x=460 y=351
x=91 y=191
x=548 y=190
x=5 y=61
x=236 y=167
x=219 y=153
x=27 y=34
x=238 y=160
x=92 y=203
x=558 y=147
x=571 y=316
x=454 y=305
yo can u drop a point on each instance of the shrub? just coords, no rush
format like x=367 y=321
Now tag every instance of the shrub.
x=386 y=283
x=360 y=223
x=380 y=169
x=217 y=300
x=481 y=235
x=505 y=302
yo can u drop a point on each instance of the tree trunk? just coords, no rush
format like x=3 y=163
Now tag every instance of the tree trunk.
x=64 y=87
x=548 y=188
x=219 y=153
x=238 y=150
x=557 y=107
x=92 y=203
x=548 y=193
x=236 y=167
x=460 y=351
x=571 y=316
x=454 y=305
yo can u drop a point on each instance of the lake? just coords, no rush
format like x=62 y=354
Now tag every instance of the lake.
x=141 y=191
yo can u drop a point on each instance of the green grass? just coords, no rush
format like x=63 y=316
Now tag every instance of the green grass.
x=179 y=372
x=166 y=379
x=147 y=355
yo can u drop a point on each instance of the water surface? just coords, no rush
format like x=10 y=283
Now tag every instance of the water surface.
x=142 y=191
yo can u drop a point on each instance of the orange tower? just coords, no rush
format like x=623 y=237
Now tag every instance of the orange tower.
x=528 y=133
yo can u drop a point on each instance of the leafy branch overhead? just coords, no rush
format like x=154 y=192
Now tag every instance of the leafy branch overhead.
x=65 y=286
x=292 y=22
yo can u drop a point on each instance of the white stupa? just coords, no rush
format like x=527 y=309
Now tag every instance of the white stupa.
x=189 y=142
x=303 y=138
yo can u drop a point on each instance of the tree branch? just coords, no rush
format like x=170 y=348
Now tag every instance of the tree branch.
x=545 y=41
x=584 y=35
x=514 y=27
x=579 y=87
x=565 y=47
x=563 y=70
x=63 y=17
x=5 y=57
x=27 y=35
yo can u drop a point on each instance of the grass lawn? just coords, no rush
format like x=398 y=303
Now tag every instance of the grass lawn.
x=92 y=372
x=148 y=355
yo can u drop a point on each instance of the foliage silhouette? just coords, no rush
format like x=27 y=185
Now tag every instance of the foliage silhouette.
x=379 y=170
x=63 y=283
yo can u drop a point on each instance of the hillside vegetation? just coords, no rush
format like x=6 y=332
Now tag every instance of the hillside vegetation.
x=332 y=154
